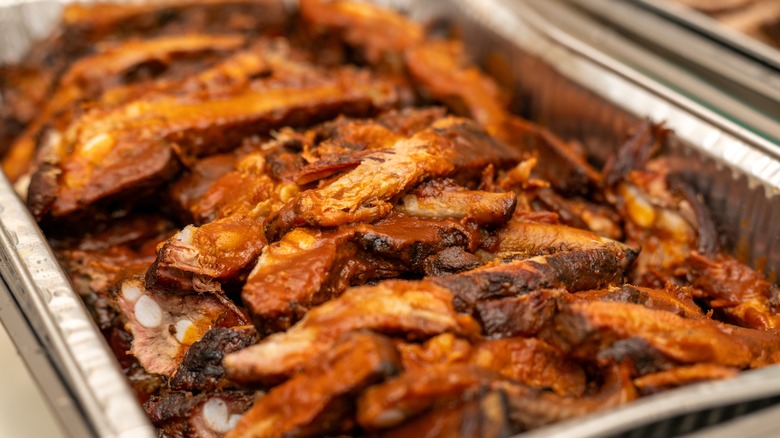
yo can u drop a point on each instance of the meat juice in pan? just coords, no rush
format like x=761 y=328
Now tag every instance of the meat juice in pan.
x=330 y=223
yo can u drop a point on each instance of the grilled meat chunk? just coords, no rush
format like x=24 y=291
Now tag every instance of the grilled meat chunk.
x=674 y=300
x=449 y=146
x=532 y=362
x=180 y=414
x=484 y=417
x=381 y=34
x=416 y=310
x=165 y=326
x=530 y=409
x=410 y=394
x=591 y=268
x=522 y=315
x=683 y=375
x=587 y=328
x=744 y=296
x=317 y=400
x=89 y=77
x=441 y=72
x=309 y=267
x=111 y=152
x=565 y=169
x=445 y=199
x=201 y=368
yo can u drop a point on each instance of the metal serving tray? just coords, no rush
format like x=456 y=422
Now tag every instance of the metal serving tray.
x=701 y=61
x=576 y=90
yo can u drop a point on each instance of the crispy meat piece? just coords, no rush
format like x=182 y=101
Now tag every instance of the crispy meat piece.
x=587 y=328
x=671 y=299
x=165 y=326
x=530 y=408
x=362 y=195
x=410 y=241
x=532 y=362
x=445 y=348
x=450 y=261
x=533 y=239
x=564 y=168
x=318 y=400
x=250 y=186
x=88 y=23
x=308 y=267
x=410 y=394
x=117 y=150
x=484 y=417
x=199 y=258
x=581 y=269
x=522 y=315
x=445 y=199
x=188 y=190
x=684 y=375
x=390 y=403
x=180 y=414
x=440 y=70
x=579 y=213
x=381 y=34
x=647 y=140
x=744 y=296
x=304 y=269
x=88 y=77
x=201 y=369
x=416 y=310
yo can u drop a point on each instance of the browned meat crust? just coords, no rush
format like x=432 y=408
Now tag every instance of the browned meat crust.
x=201 y=368
x=317 y=400
x=414 y=310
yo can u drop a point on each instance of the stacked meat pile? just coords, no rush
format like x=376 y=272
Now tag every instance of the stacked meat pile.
x=328 y=223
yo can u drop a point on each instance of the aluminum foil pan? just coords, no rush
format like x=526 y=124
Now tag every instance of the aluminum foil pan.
x=578 y=91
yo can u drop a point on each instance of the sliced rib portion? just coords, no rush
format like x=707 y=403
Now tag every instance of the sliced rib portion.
x=532 y=362
x=201 y=368
x=379 y=33
x=410 y=394
x=415 y=310
x=440 y=70
x=179 y=413
x=364 y=194
x=165 y=326
x=675 y=300
x=112 y=152
x=124 y=63
x=484 y=417
x=744 y=296
x=588 y=328
x=682 y=375
x=317 y=401
x=445 y=199
x=590 y=268
x=308 y=267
